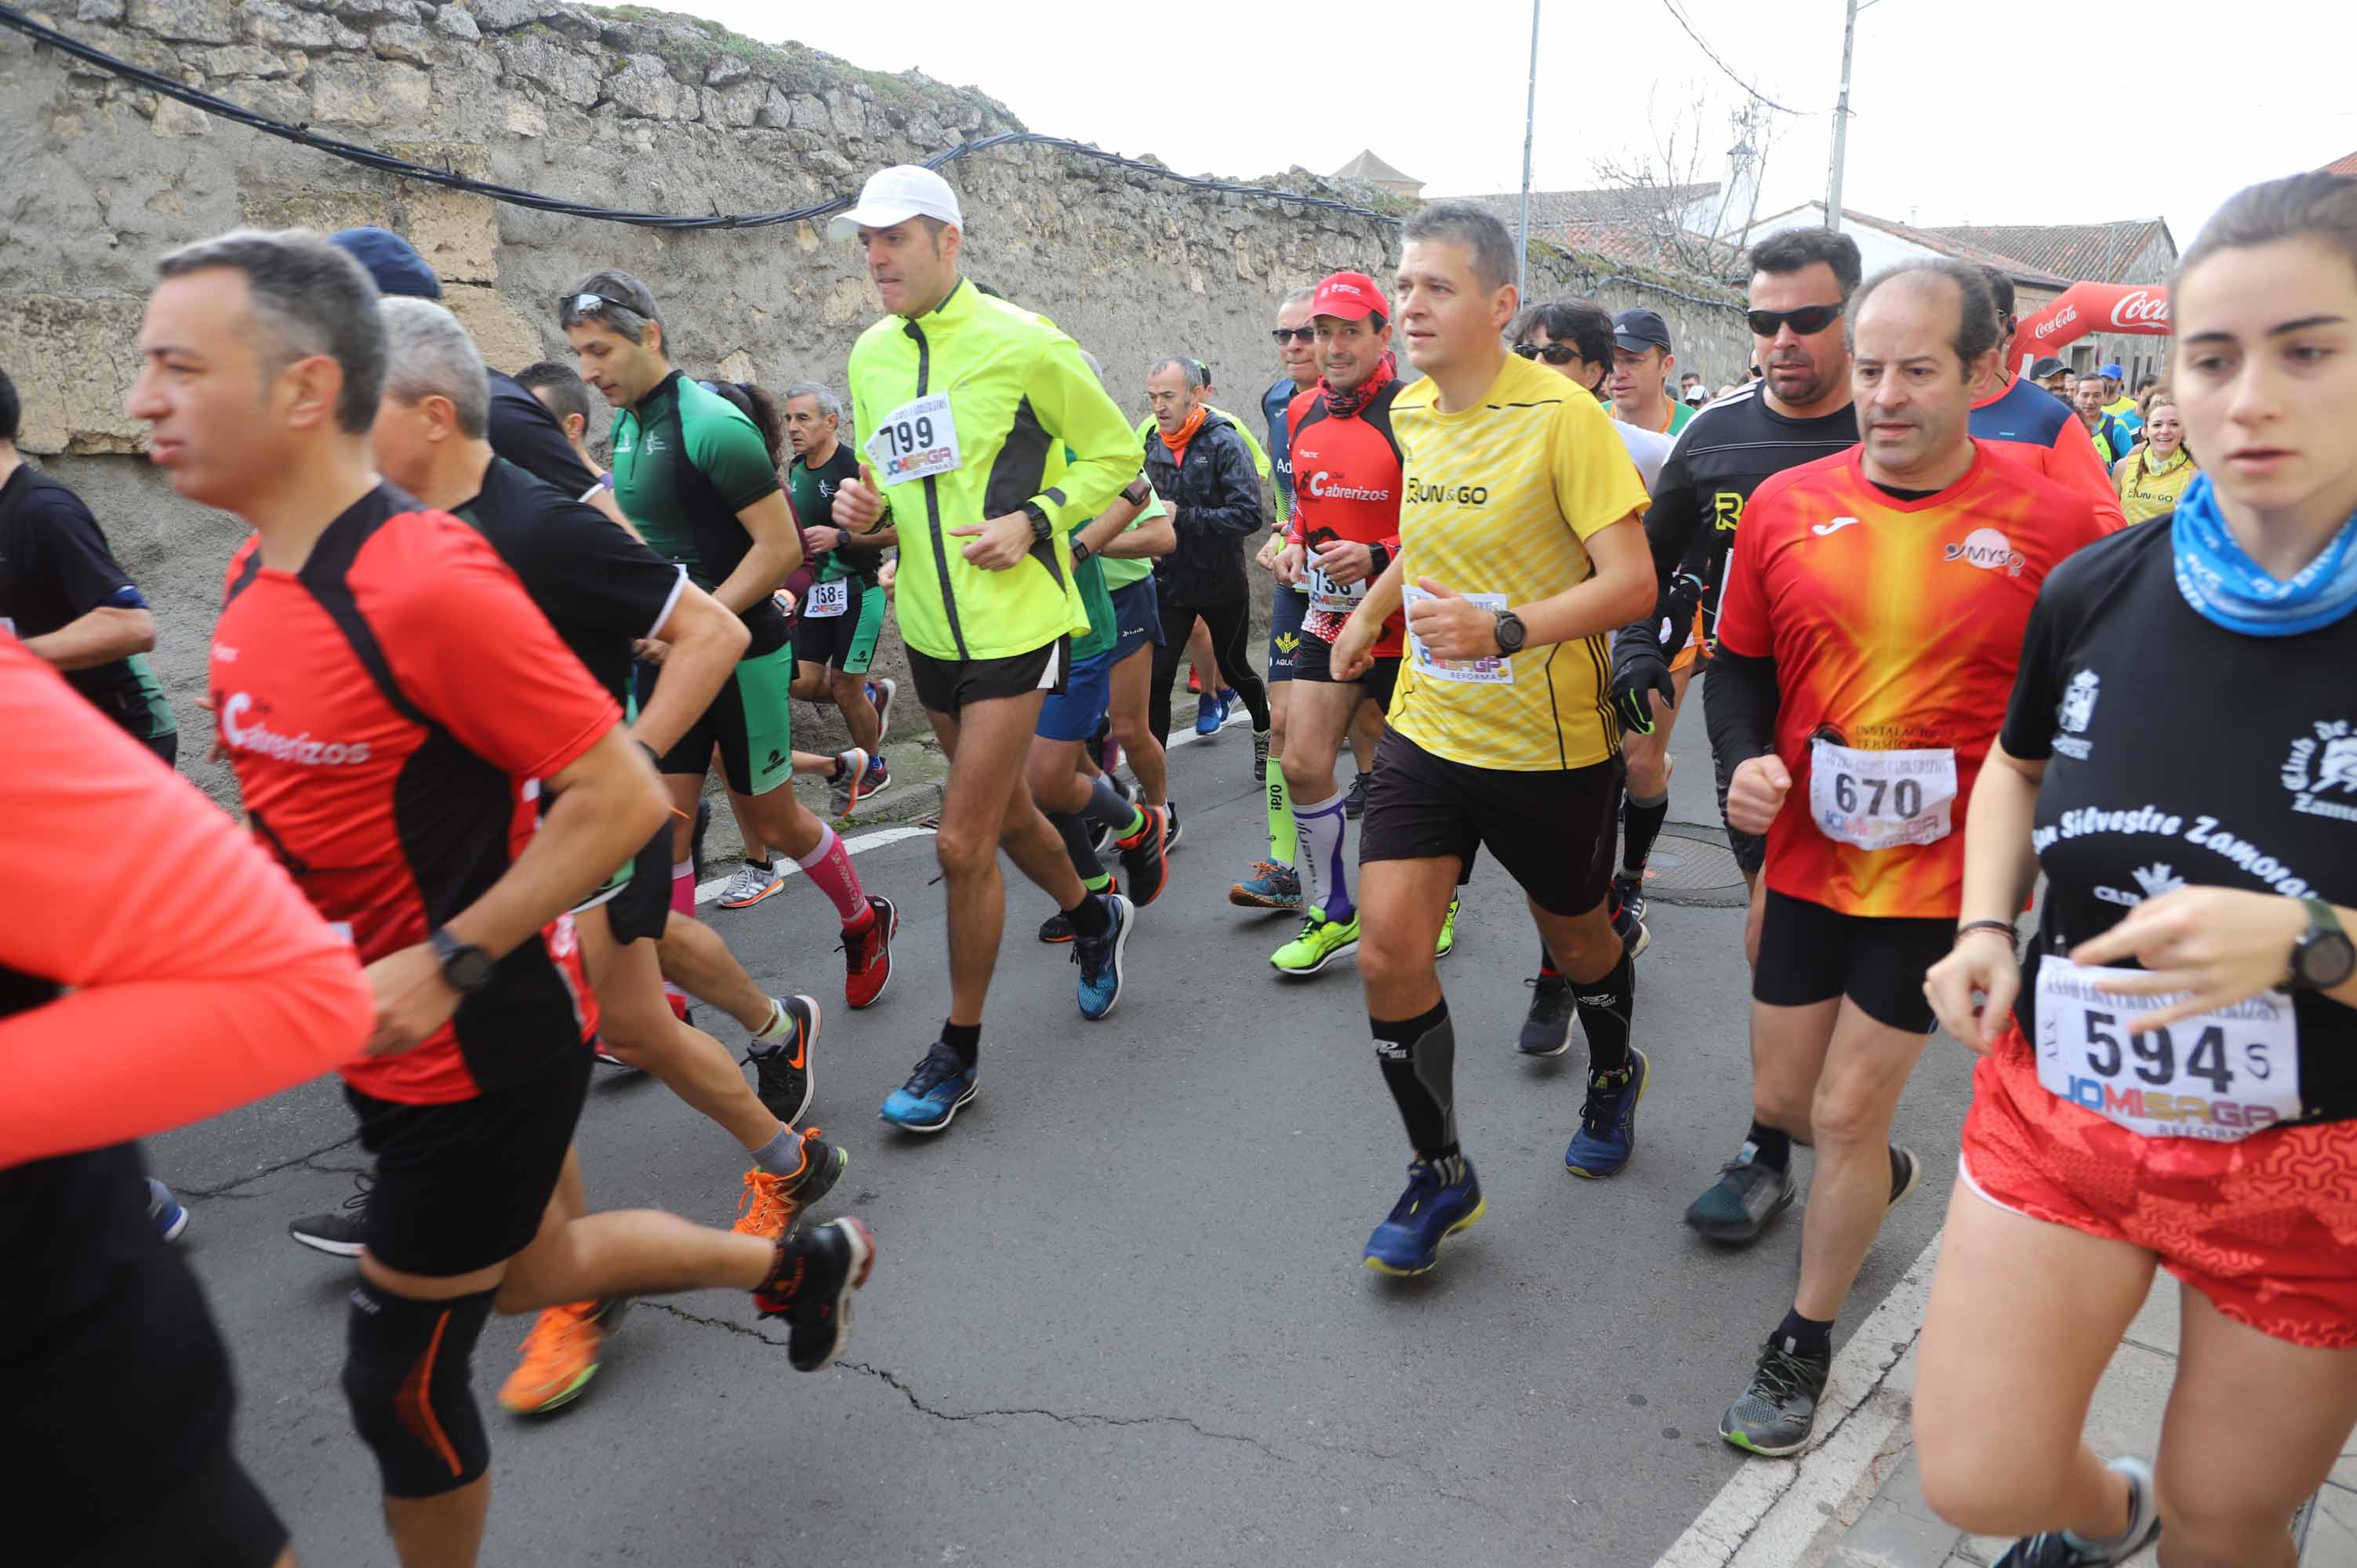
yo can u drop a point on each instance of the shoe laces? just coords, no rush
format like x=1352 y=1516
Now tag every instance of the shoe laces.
x=766 y=1208
x=939 y=1067
x=1782 y=1373
x=362 y=1185
x=861 y=947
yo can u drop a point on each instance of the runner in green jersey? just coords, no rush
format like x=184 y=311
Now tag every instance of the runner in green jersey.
x=959 y=402
x=843 y=614
x=694 y=474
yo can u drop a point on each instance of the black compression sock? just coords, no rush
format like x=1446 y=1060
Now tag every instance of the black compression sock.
x=1109 y=806
x=1419 y=1062
x=1080 y=844
x=1090 y=917
x=1604 y=1007
x=1805 y=1336
x=965 y=1039
x=1547 y=969
x=1769 y=1146
x=1643 y=826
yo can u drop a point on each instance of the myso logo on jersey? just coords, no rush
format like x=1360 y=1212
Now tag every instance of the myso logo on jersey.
x=1990 y=551
x=300 y=749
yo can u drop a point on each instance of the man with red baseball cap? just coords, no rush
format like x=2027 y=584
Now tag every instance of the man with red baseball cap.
x=1344 y=531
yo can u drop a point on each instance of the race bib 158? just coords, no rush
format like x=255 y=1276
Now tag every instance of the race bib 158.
x=827 y=599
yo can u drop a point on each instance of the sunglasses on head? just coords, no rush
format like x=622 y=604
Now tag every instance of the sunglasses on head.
x=1808 y=319
x=591 y=304
x=1295 y=334
x=1552 y=353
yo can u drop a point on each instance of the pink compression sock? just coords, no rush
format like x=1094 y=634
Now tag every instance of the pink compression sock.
x=682 y=889
x=829 y=865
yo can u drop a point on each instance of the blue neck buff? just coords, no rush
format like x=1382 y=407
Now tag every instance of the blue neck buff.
x=2227 y=587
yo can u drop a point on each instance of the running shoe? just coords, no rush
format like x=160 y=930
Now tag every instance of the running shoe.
x=604 y=1052
x=561 y=1354
x=880 y=777
x=1776 y=1413
x=1906 y=1173
x=848 y=787
x=782 y=1072
x=1100 y=959
x=1210 y=713
x=164 y=1211
x=867 y=954
x=1100 y=833
x=879 y=697
x=1057 y=929
x=939 y=1088
x=1354 y=799
x=1745 y=1198
x=1546 y=1030
x=1142 y=858
x=1171 y=833
x=1321 y=941
x=1634 y=934
x=1447 y=942
x=2061 y=1549
x=1194 y=683
x=1628 y=894
x=1432 y=1209
x=810 y=1286
x=1273 y=886
x=754 y=881
x=1608 y=1122
x=773 y=1205
x=338 y=1231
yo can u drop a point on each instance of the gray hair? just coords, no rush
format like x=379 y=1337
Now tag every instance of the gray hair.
x=1476 y=228
x=818 y=393
x=613 y=299
x=309 y=297
x=1198 y=374
x=1301 y=295
x=430 y=355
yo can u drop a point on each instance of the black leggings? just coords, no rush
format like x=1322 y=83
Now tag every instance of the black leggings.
x=1230 y=629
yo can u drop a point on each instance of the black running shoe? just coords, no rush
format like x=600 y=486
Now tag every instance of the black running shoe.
x=810 y=1286
x=1170 y=838
x=338 y=1231
x=1906 y=1174
x=1746 y=1196
x=1056 y=930
x=1547 y=1031
x=1142 y=861
x=784 y=1071
x=1354 y=799
x=1628 y=895
x=1777 y=1412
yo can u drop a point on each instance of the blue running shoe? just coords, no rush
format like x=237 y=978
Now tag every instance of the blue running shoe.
x=939 y=1088
x=1100 y=959
x=1210 y=713
x=164 y=1211
x=1433 y=1208
x=1608 y=1122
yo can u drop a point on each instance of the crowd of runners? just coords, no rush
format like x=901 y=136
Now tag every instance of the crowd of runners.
x=1955 y=635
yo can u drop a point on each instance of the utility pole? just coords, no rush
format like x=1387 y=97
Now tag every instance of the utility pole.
x=1530 y=122
x=1841 y=121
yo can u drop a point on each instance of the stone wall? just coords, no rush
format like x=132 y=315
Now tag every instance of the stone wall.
x=617 y=108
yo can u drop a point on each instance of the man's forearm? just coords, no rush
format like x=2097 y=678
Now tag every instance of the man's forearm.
x=102 y=637
x=693 y=672
x=766 y=565
x=1382 y=598
x=1740 y=700
x=1146 y=541
x=1108 y=525
x=599 y=820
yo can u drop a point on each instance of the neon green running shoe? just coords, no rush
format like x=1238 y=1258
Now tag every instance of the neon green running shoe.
x=1447 y=931
x=1321 y=941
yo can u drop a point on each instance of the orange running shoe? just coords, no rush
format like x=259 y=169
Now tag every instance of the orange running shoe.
x=773 y=1205
x=560 y=1356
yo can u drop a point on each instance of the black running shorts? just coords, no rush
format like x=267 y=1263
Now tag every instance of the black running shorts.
x=1552 y=830
x=1314 y=661
x=463 y=1186
x=1809 y=954
x=643 y=908
x=947 y=685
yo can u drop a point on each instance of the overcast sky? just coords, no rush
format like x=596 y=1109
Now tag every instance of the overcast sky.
x=1991 y=112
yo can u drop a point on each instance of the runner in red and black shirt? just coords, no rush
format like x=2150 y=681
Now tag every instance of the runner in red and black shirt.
x=387 y=696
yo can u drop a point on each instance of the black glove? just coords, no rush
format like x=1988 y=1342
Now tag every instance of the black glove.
x=1639 y=670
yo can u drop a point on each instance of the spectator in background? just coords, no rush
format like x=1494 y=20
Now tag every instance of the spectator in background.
x=2111 y=439
x=562 y=391
x=2152 y=478
x=2120 y=406
x=1691 y=391
x=1642 y=362
x=2053 y=375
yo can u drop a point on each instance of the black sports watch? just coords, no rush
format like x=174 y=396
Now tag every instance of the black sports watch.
x=466 y=968
x=1040 y=527
x=1079 y=551
x=1510 y=631
x=2323 y=957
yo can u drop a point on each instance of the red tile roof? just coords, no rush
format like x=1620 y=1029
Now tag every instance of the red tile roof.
x=2100 y=252
x=2345 y=163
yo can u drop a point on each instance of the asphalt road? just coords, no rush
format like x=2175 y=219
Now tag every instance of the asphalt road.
x=1117 y=1314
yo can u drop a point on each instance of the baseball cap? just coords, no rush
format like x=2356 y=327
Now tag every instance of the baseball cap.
x=895 y=195
x=1697 y=395
x=2044 y=368
x=1352 y=296
x=392 y=261
x=2110 y=372
x=1638 y=330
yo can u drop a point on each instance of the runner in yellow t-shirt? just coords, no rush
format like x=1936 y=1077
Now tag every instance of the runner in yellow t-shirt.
x=1521 y=541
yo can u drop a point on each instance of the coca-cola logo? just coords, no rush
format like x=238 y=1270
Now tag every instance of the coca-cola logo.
x=2141 y=307
x=2062 y=318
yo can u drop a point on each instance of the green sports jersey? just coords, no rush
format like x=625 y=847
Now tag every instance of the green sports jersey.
x=1120 y=572
x=686 y=461
x=959 y=412
x=1090 y=576
x=812 y=491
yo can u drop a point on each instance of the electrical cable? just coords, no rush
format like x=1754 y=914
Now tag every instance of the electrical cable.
x=1704 y=44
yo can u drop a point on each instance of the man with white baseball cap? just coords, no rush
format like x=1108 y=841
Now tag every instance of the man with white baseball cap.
x=893 y=196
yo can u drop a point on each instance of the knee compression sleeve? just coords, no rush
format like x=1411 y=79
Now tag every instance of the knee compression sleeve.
x=406 y=1371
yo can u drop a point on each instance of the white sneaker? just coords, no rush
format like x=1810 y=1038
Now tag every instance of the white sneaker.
x=751 y=884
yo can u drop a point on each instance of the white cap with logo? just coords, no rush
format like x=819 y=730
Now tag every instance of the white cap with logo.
x=895 y=195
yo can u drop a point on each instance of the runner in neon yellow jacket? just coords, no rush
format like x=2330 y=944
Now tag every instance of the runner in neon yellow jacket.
x=1016 y=386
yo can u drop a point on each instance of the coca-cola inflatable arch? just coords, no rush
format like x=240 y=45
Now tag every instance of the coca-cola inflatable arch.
x=2085 y=307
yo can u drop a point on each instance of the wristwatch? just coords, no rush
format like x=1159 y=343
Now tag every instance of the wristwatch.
x=1510 y=631
x=466 y=968
x=1079 y=551
x=2323 y=957
x=1040 y=527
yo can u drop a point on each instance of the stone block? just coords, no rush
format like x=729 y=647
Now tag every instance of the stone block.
x=643 y=88
x=278 y=99
x=545 y=62
x=505 y=338
x=457 y=22
x=105 y=11
x=726 y=71
x=574 y=23
x=245 y=59
x=173 y=118
x=73 y=359
x=740 y=106
x=457 y=232
x=401 y=41
x=505 y=15
x=275 y=22
x=368 y=93
x=523 y=116
x=187 y=21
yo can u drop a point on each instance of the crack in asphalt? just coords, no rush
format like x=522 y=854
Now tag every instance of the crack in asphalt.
x=229 y=1188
